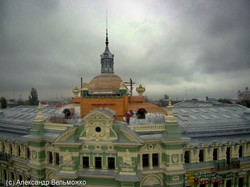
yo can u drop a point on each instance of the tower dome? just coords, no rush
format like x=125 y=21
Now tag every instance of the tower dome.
x=107 y=58
x=105 y=83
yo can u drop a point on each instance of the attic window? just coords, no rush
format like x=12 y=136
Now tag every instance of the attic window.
x=98 y=129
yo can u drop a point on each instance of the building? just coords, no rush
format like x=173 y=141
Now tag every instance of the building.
x=88 y=142
x=244 y=95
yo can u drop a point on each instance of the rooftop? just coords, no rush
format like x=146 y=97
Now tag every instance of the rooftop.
x=202 y=121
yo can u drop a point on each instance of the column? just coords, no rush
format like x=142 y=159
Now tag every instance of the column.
x=247 y=180
x=140 y=167
x=150 y=161
x=54 y=158
x=235 y=182
x=104 y=162
x=91 y=162
x=160 y=160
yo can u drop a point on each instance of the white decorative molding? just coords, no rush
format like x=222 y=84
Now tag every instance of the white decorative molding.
x=151 y=148
x=98 y=127
x=152 y=179
x=127 y=157
x=67 y=158
x=148 y=128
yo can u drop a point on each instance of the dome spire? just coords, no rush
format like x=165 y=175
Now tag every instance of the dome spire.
x=107 y=37
x=107 y=58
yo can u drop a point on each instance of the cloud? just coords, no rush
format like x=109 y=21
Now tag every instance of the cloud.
x=168 y=46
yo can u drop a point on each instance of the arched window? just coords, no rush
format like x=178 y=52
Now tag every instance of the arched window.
x=66 y=113
x=141 y=113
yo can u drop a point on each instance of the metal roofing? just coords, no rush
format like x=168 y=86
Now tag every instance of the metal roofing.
x=204 y=122
x=202 y=118
x=16 y=122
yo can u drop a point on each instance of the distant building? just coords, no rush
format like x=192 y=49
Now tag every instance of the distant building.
x=88 y=142
x=244 y=95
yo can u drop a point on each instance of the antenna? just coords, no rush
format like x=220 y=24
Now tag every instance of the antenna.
x=106 y=19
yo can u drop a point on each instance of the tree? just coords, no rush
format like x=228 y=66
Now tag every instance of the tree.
x=3 y=102
x=33 y=98
x=227 y=101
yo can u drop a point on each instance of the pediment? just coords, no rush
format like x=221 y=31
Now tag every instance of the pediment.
x=98 y=125
x=100 y=114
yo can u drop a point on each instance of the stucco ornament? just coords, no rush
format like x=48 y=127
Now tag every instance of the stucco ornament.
x=127 y=158
x=34 y=154
x=67 y=158
x=151 y=181
x=98 y=131
x=175 y=158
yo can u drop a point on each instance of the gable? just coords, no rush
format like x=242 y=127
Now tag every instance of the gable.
x=98 y=126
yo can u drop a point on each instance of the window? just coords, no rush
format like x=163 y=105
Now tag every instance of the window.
x=85 y=162
x=57 y=158
x=241 y=182
x=11 y=150
x=98 y=129
x=28 y=153
x=3 y=148
x=98 y=162
x=50 y=157
x=228 y=155
x=145 y=160
x=20 y=177
x=215 y=154
x=216 y=184
x=141 y=113
x=29 y=179
x=155 y=159
x=201 y=155
x=228 y=183
x=19 y=151
x=240 y=152
x=4 y=175
x=12 y=176
x=187 y=156
x=111 y=163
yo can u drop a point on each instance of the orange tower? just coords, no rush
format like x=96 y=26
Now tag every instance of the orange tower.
x=107 y=90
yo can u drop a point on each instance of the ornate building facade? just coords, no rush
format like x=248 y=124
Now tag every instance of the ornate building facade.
x=194 y=143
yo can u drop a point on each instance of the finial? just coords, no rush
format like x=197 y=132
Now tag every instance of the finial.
x=39 y=116
x=140 y=90
x=170 y=116
x=39 y=105
x=76 y=91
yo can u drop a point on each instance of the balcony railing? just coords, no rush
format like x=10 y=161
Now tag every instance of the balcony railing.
x=148 y=128
x=234 y=164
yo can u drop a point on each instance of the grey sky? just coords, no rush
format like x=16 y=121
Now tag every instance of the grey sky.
x=201 y=48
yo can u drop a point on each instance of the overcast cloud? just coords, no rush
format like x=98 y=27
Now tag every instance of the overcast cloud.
x=181 y=47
